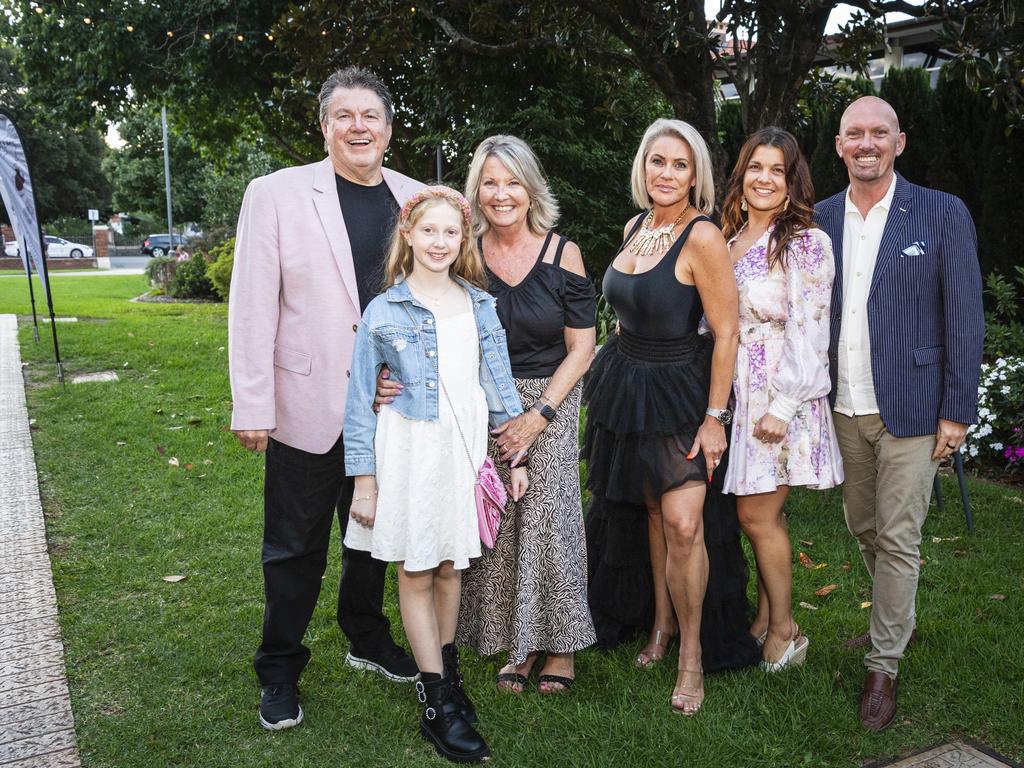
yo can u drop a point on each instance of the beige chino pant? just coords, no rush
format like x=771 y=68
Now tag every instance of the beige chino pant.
x=885 y=500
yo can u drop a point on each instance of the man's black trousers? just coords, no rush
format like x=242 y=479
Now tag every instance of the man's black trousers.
x=300 y=495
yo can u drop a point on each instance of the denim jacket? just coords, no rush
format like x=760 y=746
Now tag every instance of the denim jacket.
x=398 y=331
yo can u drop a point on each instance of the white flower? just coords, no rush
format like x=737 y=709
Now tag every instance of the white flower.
x=973 y=451
x=984 y=413
x=1004 y=390
x=1001 y=363
x=985 y=431
x=996 y=446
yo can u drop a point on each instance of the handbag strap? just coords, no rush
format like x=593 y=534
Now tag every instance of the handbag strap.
x=444 y=390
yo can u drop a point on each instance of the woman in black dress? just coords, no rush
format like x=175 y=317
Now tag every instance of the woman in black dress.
x=658 y=398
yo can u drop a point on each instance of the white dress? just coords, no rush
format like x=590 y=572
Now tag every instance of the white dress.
x=426 y=512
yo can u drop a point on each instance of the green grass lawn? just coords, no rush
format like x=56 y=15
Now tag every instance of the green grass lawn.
x=160 y=672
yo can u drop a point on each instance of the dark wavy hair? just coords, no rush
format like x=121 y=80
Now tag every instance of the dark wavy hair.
x=796 y=216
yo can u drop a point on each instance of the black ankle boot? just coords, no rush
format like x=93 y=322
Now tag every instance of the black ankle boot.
x=450 y=656
x=443 y=725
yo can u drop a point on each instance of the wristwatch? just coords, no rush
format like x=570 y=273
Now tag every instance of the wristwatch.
x=723 y=415
x=545 y=410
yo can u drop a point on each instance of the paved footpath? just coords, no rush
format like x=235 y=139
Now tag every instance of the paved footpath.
x=36 y=726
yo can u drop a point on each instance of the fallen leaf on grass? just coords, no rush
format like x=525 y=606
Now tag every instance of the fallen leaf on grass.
x=1014 y=499
x=998 y=597
x=940 y=539
x=173 y=461
x=866 y=604
x=808 y=606
x=819 y=566
x=959 y=552
x=180 y=426
x=207 y=462
x=193 y=420
x=121 y=442
x=190 y=466
x=159 y=410
x=826 y=590
x=807 y=543
x=805 y=560
x=846 y=566
x=209 y=443
x=161 y=450
x=174 y=579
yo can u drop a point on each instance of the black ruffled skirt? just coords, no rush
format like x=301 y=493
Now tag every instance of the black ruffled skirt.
x=645 y=401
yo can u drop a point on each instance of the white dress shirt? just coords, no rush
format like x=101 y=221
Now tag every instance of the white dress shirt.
x=855 y=389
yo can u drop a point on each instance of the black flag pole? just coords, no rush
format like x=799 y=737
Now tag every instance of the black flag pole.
x=45 y=277
x=32 y=298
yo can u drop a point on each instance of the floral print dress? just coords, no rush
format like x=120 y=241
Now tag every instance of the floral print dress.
x=782 y=368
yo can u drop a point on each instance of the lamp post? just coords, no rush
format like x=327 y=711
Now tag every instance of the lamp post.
x=167 y=179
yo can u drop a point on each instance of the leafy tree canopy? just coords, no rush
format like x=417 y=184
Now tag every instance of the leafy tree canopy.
x=65 y=163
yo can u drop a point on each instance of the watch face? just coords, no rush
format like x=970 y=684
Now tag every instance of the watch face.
x=726 y=417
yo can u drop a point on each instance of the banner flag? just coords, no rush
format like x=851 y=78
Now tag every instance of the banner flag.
x=16 y=191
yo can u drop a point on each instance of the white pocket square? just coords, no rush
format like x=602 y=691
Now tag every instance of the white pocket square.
x=916 y=248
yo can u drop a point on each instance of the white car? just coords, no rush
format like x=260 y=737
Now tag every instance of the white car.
x=56 y=248
x=59 y=248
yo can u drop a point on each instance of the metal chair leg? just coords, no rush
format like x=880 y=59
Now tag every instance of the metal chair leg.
x=958 y=465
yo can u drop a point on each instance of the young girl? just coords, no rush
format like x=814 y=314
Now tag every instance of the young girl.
x=416 y=463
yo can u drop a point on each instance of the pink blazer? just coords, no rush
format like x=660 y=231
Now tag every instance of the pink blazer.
x=294 y=306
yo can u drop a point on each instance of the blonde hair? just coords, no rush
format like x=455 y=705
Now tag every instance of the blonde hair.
x=702 y=196
x=468 y=265
x=517 y=157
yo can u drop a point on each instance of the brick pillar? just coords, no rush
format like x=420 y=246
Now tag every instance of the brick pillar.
x=7 y=232
x=102 y=238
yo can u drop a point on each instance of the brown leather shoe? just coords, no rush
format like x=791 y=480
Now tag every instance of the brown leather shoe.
x=878 y=702
x=864 y=641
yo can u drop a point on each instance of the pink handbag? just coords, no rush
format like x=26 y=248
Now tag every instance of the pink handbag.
x=488 y=491
x=490 y=496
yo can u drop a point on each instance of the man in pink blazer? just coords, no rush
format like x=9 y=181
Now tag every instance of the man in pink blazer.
x=308 y=259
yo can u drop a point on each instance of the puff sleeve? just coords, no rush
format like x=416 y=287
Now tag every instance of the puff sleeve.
x=803 y=371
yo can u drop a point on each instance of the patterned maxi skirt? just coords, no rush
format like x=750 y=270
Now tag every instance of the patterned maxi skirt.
x=530 y=592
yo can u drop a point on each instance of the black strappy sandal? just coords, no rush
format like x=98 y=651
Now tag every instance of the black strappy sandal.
x=565 y=682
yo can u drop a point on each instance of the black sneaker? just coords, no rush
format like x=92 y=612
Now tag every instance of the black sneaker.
x=392 y=662
x=279 y=707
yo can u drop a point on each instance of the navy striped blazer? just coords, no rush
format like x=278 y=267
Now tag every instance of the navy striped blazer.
x=925 y=319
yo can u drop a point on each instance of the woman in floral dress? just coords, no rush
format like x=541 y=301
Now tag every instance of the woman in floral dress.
x=782 y=433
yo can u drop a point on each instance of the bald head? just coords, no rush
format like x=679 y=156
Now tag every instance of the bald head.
x=869 y=142
x=870 y=108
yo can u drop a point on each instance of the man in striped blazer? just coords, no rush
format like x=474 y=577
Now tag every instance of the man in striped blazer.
x=905 y=358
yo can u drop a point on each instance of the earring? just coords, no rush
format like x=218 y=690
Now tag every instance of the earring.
x=743 y=204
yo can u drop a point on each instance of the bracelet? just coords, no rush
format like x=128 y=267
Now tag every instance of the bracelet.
x=363 y=498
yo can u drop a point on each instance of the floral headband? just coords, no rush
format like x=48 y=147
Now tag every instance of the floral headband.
x=439 y=191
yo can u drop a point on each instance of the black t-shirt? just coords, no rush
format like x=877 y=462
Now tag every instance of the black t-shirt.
x=536 y=312
x=369 y=214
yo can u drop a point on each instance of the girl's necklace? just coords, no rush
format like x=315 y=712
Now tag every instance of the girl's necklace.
x=649 y=241
x=435 y=299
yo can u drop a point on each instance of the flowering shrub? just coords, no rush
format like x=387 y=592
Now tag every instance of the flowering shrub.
x=997 y=441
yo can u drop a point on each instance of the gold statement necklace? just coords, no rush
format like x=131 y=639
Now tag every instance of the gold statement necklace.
x=650 y=241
